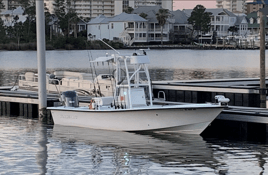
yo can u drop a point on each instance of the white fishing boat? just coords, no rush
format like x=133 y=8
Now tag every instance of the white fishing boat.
x=131 y=107
x=60 y=81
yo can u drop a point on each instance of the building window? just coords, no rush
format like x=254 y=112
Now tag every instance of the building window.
x=258 y=20
x=112 y=25
x=251 y=20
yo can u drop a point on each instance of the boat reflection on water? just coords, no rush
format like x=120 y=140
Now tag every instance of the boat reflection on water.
x=129 y=151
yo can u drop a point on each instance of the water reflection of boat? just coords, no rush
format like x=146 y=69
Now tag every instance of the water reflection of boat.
x=160 y=148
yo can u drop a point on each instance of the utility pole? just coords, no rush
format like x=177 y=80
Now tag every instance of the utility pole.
x=41 y=59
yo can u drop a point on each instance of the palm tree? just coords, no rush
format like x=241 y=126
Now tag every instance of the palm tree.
x=161 y=17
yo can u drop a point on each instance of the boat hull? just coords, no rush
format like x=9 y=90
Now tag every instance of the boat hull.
x=183 y=120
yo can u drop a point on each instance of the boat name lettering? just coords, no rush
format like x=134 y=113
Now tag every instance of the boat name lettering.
x=68 y=117
x=190 y=109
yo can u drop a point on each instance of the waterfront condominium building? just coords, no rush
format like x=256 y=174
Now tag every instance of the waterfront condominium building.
x=121 y=5
x=256 y=5
x=232 y=5
x=94 y=8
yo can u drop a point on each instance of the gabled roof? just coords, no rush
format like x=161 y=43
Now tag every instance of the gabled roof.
x=180 y=17
x=101 y=19
x=239 y=20
x=127 y=17
x=254 y=16
x=118 y=18
x=151 y=11
x=146 y=9
x=214 y=12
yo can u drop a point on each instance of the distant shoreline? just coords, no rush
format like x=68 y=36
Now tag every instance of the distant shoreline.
x=33 y=46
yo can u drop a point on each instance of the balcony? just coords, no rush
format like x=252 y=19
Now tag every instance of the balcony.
x=140 y=39
x=220 y=22
x=157 y=38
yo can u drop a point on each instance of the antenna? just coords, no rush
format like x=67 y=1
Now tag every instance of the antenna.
x=109 y=46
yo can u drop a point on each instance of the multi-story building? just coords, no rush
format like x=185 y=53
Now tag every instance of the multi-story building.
x=93 y=8
x=126 y=27
x=121 y=5
x=222 y=20
x=255 y=6
x=232 y=5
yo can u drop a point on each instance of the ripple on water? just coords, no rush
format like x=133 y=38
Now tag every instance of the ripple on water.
x=28 y=147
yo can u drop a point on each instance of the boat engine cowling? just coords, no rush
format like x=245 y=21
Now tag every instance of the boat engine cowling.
x=69 y=99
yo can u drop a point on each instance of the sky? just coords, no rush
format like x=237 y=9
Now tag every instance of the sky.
x=190 y=4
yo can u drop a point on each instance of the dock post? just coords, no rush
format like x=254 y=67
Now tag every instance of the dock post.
x=41 y=47
x=262 y=62
x=4 y=108
x=30 y=111
x=21 y=109
x=8 y=109
x=25 y=109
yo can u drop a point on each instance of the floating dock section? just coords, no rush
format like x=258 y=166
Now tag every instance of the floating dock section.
x=243 y=117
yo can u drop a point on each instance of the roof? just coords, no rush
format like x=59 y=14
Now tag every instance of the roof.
x=239 y=20
x=127 y=17
x=258 y=2
x=17 y=11
x=149 y=10
x=176 y=16
x=146 y=9
x=101 y=19
x=118 y=18
x=254 y=16
x=179 y=16
x=215 y=11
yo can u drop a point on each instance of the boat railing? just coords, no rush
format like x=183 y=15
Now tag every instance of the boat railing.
x=51 y=81
x=164 y=96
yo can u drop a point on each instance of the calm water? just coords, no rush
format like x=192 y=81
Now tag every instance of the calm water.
x=29 y=147
x=165 y=64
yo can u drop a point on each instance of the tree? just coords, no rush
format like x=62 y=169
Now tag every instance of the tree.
x=143 y=15
x=2 y=31
x=233 y=29
x=18 y=29
x=2 y=6
x=59 y=11
x=162 y=16
x=200 y=19
x=129 y=10
x=65 y=14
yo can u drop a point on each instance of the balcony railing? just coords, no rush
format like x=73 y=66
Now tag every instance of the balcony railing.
x=157 y=38
x=219 y=22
